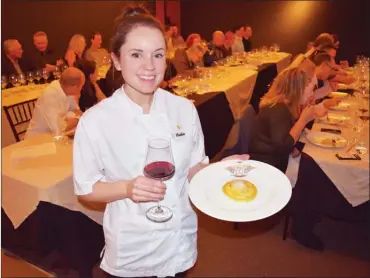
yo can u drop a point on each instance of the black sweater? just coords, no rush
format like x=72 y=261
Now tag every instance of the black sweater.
x=271 y=142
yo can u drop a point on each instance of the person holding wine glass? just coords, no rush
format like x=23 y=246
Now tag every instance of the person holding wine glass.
x=139 y=146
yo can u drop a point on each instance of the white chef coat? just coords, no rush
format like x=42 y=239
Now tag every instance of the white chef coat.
x=52 y=104
x=110 y=145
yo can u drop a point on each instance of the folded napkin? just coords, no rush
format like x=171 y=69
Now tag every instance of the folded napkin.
x=34 y=151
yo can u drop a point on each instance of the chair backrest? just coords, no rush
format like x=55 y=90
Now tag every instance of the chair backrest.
x=19 y=115
x=217 y=120
x=265 y=77
x=246 y=124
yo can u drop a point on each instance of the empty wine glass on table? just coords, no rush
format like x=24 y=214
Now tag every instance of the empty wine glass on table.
x=4 y=81
x=45 y=75
x=57 y=72
x=30 y=77
x=22 y=79
x=159 y=165
x=59 y=133
x=38 y=76
x=14 y=80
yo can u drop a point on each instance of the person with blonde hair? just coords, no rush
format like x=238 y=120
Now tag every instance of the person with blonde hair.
x=75 y=50
x=281 y=119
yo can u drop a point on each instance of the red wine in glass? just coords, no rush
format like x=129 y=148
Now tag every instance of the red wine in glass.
x=159 y=170
x=363 y=110
x=364 y=118
x=159 y=165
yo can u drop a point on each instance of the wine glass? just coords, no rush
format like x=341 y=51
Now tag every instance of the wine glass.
x=57 y=72
x=4 y=81
x=14 y=79
x=30 y=77
x=38 y=76
x=45 y=74
x=22 y=79
x=59 y=133
x=159 y=165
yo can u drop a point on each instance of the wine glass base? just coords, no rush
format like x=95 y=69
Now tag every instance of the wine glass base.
x=159 y=214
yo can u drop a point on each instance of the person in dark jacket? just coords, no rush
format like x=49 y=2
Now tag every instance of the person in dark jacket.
x=91 y=93
x=247 y=39
x=280 y=121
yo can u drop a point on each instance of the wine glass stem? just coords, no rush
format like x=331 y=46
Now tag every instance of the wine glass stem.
x=159 y=208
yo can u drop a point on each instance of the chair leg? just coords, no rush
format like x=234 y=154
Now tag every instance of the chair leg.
x=286 y=226
x=235 y=226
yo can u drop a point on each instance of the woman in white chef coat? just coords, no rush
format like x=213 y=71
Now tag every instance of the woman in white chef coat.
x=109 y=153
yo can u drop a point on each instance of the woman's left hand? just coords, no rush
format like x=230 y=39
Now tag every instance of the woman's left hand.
x=237 y=157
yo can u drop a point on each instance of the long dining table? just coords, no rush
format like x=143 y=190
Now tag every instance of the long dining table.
x=323 y=184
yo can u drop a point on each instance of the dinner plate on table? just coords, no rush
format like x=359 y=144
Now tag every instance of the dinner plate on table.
x=343 y=106
x=339 y=95
x=334 y=119
x=214 y=190
x=326 y=140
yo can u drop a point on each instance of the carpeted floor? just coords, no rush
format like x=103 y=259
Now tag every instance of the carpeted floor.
x=257 y=249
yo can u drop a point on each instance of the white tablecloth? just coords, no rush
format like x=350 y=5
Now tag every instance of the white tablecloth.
x=350 y=177
x=13 y=96
x=237 y=82
x=45 y=178
x=282 y=60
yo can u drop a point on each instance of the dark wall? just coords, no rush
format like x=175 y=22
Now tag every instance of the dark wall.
x=60 y=20
x=290 y=23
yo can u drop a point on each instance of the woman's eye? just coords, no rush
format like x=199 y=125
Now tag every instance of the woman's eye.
x=135 y=55
x=159 y=55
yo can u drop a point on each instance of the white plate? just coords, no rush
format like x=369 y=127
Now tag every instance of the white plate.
x=324 y=139
x=334 y=119
x=339 y=95
x=274 y=191
x=343 y=106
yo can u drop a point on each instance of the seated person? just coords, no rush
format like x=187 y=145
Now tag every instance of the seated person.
x=42 y=56
x=112 y=81
x=170 y=53
x=341 y=76
x=12 y=62
x=76 y=48
x=229 y=41
x=280 y=120
x=96 y=53
x=57 y=105
x=238 y=46
x=247 y=42
x=219 y=50
x=188 y=58
x=177 y=39
x=316 y=69
x=91 y=93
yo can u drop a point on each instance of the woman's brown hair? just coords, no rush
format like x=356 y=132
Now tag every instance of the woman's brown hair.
x=288 y=88
x=132 y=17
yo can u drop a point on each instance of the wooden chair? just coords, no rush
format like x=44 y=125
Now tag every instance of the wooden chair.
x=18 y=116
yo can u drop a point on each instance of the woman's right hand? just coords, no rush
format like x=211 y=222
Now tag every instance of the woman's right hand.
x=142 y=189
x=308 y=114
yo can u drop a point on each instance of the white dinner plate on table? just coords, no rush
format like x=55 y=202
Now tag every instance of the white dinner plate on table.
x=326 y=140
x=273 y=191
x=339 y=95
x=334 y=119
x=343 y=106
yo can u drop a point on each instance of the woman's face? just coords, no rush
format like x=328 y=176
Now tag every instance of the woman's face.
x=142 y=60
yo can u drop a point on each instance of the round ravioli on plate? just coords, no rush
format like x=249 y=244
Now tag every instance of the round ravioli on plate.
x=240 y=190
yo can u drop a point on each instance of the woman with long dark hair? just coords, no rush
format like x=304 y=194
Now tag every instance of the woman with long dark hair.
x=91 y=93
